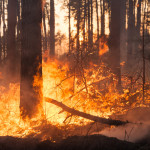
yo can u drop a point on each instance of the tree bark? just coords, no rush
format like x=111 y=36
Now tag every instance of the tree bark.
x=84 y=27
x=52 y=28
x=0 y=33
x=4 y=32
x=103 y=18
x=138 y=26
x=45 y=35
x=97 y=21
x=91 y=23
x=11 y=41
x=131 y=32
x=69 y=26
x=123 y=30
x=85 y=115
x=31 y=58
x=89 y=27
x=78 y=29
x=115 y=39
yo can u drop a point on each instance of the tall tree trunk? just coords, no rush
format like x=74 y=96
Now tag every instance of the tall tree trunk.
x=18 y=16
x=78 y=30
x=84 y=27
x=138 y=26
x=115 y=38
x=123 y=30
x=4 y=32
x=91 y=23
x=103 y=18
x=69 y=27
x=52 y=28
x=18 y=25
x=131 y=27
x=31 y=58
x=89 y=27
x=97 y=17
x=0 y=33
x=11 y=41
x=45 y=35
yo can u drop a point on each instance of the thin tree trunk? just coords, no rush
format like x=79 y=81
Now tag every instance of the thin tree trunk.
x=18 y=24
x=11 y=41
x=69 y=27
x=91 y=23
x=84 y=27
x=139 y=17
x=45 y=35
x=103 y=18
x=138 y=26
x=115 y=38
x=131 y=27
x=97 y=20
x=52 y=28
x=4 y=32
x=31 y=58
x=89 y=27
x=78 y=30
x=123 y=29
x=0 y=33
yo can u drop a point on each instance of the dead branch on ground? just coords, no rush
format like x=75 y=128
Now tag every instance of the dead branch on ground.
x=85 y=115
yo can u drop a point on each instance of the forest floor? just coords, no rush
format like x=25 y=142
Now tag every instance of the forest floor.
x=92 y=142
x=99 y=137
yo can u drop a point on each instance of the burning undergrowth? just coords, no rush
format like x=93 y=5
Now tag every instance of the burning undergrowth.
x=91 y=89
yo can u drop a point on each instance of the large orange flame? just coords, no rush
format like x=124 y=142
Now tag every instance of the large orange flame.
x=93 y=91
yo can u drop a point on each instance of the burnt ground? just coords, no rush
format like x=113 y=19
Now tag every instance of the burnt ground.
x=93 y=142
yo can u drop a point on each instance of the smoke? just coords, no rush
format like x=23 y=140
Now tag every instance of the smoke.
x=132 y=132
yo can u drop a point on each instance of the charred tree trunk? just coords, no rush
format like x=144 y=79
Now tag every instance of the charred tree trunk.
x=52 y=28
x=31 y=58
x=115 y=38
x=11 y=41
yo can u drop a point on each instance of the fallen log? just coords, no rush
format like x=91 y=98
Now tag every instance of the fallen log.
x=85 y=115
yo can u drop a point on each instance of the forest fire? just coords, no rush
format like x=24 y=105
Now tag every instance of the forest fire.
x=74 y=74
x=66 y=87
